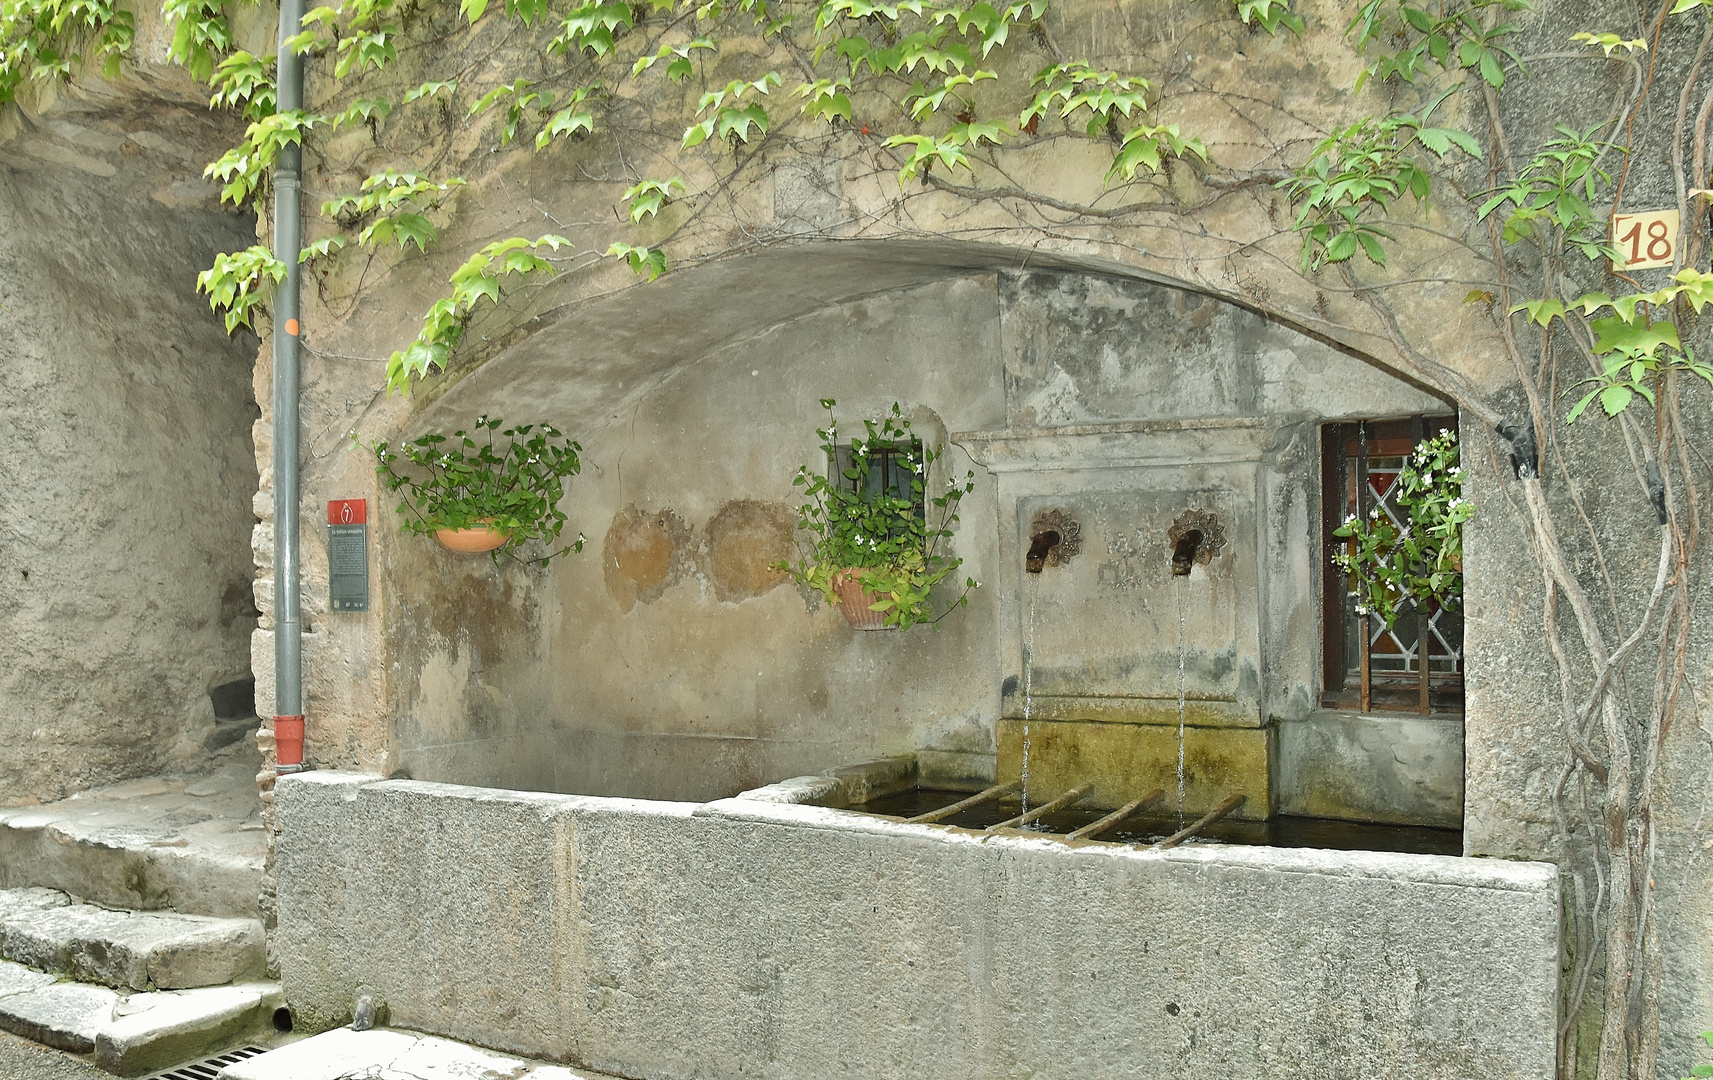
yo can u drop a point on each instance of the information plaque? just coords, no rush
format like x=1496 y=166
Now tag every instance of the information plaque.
x=348 y=555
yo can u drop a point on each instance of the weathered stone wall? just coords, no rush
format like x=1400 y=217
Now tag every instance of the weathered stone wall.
x=1260 y=102
x=669 y=661
x=125 y=416
x=742 y=938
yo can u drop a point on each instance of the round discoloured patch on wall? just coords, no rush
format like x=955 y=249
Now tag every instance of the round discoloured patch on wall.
x=645 y=553
x=745 y=539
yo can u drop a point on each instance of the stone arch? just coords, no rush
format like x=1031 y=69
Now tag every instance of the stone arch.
x=583 y=357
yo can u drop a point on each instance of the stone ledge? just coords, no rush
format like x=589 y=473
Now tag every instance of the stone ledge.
x=127 y=949
x=743 y=937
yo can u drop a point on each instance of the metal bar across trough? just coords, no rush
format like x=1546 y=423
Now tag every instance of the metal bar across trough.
x=1231 y=803
x=997 y=791
x=1044 y=809
x=1090 y=831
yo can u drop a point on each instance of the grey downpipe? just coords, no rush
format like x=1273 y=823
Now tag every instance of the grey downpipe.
x=288 y=206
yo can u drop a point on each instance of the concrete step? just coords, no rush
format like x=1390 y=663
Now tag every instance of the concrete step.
x=131 y=1034
x=132 y=950
x=389 y=1054
x=193 y=845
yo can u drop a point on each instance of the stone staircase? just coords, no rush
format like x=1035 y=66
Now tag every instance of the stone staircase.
x=129 y=928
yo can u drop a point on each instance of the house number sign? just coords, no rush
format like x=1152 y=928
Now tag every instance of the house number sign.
x=348 y=555
x=1644 y=240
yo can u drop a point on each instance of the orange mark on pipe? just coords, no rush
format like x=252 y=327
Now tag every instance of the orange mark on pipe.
x=291 y=327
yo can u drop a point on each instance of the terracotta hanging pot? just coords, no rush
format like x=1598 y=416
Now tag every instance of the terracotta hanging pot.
x=474 y=540
x=855 y=601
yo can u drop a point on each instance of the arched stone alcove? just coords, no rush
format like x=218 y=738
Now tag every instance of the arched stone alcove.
x=670 y=660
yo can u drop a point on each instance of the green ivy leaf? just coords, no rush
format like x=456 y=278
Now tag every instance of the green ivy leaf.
x=240 y=283
x=646 y=262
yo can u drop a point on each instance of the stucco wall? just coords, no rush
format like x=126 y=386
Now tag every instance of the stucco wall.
x=125 y=416
x=669 y=940
x=668 y=661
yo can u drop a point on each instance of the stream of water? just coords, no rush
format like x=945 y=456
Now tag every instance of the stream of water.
x=1028 y=667
x=1183 y=647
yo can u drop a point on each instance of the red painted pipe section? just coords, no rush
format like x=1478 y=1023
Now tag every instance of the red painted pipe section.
x=288 y=740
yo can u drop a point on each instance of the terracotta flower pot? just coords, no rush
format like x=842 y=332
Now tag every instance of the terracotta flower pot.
x=855 y=601
x=473 y=540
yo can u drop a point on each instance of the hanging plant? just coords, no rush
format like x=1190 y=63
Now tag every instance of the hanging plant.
x=477 y=495
x=872 y=538
x=1423 y=561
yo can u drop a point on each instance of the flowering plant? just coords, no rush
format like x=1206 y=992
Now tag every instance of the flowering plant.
x=1423 y=560
x=465 y=481
x=857 y=520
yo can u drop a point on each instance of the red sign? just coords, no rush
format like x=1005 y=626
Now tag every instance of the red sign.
x=348 y=512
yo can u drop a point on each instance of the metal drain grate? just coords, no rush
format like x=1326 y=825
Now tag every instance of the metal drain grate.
x=209 y=1068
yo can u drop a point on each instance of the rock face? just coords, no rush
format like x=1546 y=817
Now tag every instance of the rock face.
x=125 y=416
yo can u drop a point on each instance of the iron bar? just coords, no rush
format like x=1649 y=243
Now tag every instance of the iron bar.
x=1230 y=803
x=1044 y=809
x=1418 y=432
x=1362 y=600
x=1089 y=832
x=997 y=791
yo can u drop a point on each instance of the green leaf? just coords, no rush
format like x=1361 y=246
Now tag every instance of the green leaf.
x=1578 y=409
x=414 y=228
x=321 y=249
x=647 y=197
x=1541 y=312
x=240 y=283
x=646 y=262
x=1343 y=246
x=1372 y=248
x=1619 y=335
x=1490 y=69
x=1615 y=399
x=430 y=89
x=566 y=121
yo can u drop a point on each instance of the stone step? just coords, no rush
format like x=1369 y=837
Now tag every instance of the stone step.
x=388 y=1054
x=132 y=1034
x=192 y=845
x=133 y=950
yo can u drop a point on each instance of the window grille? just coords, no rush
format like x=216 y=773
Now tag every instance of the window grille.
x=1367 y=666
x=889 y=473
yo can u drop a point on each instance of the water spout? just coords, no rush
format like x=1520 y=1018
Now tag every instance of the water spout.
x=1039 y=545
x=1184 y=555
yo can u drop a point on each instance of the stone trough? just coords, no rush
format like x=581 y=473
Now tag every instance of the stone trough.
x=760 y=936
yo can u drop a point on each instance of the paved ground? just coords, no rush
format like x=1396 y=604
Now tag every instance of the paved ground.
x=21 y=1059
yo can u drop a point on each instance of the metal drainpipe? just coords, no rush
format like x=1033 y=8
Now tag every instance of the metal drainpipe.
x=288 y=203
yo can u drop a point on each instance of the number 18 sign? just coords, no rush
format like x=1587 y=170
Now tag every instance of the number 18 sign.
x=1644 y=240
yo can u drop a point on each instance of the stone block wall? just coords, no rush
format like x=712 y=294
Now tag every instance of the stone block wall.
x=746 y=938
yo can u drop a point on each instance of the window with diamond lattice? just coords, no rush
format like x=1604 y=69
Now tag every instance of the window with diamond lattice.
x=1366 y=665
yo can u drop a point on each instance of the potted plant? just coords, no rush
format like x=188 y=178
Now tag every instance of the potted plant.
x=871 y=536
x=474 y=495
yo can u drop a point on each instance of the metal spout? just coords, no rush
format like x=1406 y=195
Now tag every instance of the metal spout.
x=1039 y=545
x=1184 y=555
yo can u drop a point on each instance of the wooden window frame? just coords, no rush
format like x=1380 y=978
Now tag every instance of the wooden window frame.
x=1347 y=449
